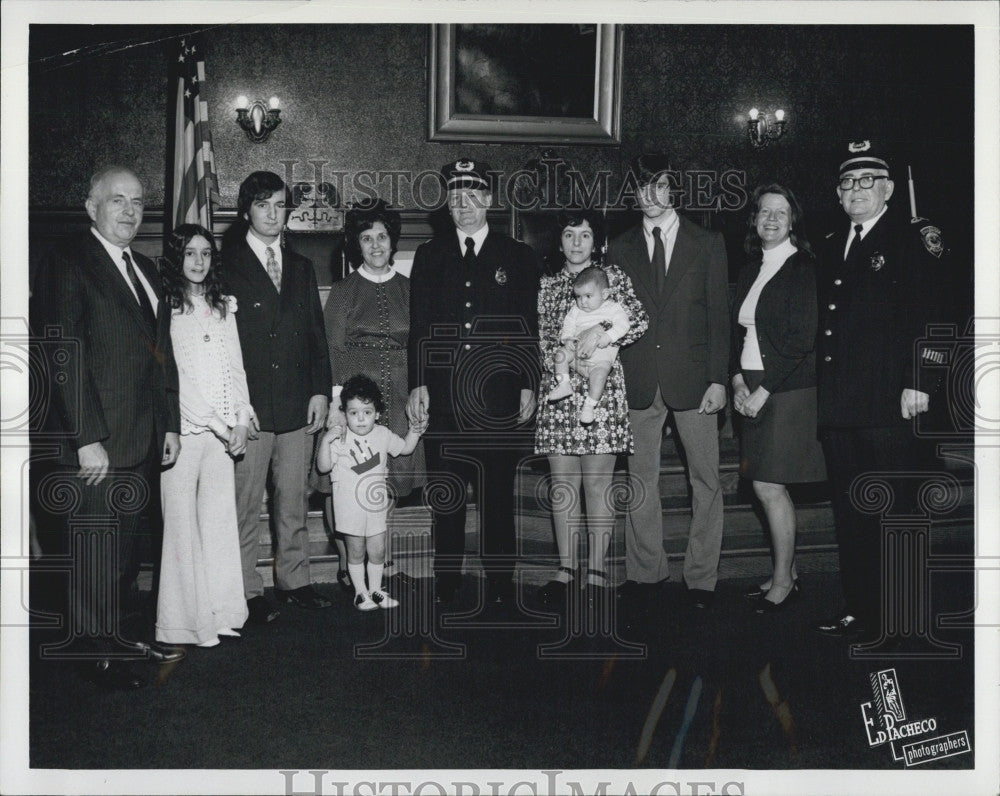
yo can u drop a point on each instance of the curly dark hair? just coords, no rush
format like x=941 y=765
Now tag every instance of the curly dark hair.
x=363 y=217
x=797 y=233
x=364 y=389
x=577 y=218
x=175 y=285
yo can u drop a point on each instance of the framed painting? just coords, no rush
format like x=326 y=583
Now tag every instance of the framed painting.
x=558 y=84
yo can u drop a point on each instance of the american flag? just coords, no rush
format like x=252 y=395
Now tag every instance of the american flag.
x=195 y=183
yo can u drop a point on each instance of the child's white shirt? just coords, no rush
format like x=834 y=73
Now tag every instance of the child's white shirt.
x=578 y=321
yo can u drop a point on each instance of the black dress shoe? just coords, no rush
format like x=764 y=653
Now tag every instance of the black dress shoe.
x=630 y=590
x=153 y=651
x=595 y=594
x=400 y=582
x=702 y=599
x=112 y=675
x=444 y=589
x=757 y=592
x=554 y=592
x=261 y=611
x=765 y=606
x=344 y=579
x=303 y=597
x=846 y=626
x=499 y=591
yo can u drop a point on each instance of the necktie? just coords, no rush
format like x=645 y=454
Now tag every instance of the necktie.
x=140 y=292
x=470 y=252
x=273 y=269
x=659 y=260
x=855 y=247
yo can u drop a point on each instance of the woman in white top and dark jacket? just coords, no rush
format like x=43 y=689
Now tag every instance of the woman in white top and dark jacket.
x=773 y=367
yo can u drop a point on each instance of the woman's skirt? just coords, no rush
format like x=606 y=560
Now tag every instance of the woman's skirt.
x=780 y=445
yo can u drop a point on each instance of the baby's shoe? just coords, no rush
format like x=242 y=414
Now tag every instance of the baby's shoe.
x=562 y=390
x=364 y=602
x=587 y=413
x=383 y=600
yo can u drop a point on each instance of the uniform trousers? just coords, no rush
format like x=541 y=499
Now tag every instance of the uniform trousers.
x=453 y=462
x=201 y=581
x=645 y=558
x=288 y=457
x=850 y=453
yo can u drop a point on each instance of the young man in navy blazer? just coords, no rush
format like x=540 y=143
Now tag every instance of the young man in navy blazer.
x=283 y=340
x=679 y=272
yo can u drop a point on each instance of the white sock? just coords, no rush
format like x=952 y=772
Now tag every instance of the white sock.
x=588 y=401
x=375 y=576
x=561 y=377
x=357 y=572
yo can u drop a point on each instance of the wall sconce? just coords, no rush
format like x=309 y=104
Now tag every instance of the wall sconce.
x=256 y=118
x=761 y=131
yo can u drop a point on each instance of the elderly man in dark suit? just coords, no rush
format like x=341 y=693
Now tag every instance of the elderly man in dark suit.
x=473 y=358
x=115 y=411
x=288 y=372
x=679 y=366
x=879 y=289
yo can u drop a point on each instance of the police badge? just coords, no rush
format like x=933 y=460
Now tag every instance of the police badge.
x=877 y=261
x=500 y=276
x=931 y=236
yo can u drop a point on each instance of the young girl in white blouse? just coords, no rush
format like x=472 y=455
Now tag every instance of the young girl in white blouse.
x=357 y=458
x=201 y=580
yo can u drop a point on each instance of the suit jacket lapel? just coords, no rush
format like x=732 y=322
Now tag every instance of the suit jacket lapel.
x=107 y=270
x=636 y=252
x=289 y=282
x=680 y=261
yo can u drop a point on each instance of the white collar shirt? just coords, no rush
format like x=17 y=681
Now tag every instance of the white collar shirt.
x=115 y=253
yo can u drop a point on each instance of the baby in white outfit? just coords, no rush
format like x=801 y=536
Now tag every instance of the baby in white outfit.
x=592 y=308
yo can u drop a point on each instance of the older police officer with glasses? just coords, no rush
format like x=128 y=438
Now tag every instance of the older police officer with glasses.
x=878 y=292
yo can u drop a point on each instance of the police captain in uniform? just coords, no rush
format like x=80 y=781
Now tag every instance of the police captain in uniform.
x=878 y=291
x=473 y=360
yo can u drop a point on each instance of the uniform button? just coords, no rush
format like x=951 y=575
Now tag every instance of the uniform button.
x=467 y=346
x=274 y=365
x=827 y=358
x=657 y=347
x=468 y=284
x=468 y=325
x=833 y=306
x=828 y=332
x=272 y=335
x=837 y=282
x=468 y=304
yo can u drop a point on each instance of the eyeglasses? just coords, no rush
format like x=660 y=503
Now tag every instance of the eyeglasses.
x=850 y=183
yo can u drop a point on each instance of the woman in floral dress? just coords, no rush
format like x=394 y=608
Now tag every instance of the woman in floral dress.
x=582 y=455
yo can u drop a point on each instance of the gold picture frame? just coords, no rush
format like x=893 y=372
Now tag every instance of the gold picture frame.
x=485 y=86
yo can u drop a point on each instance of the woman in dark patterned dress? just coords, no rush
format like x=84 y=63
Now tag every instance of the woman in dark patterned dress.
x=582 y=455
x=367 y=317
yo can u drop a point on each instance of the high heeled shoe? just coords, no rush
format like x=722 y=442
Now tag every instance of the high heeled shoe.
x=758 y=591
x=765 y=606
x=554 y=592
